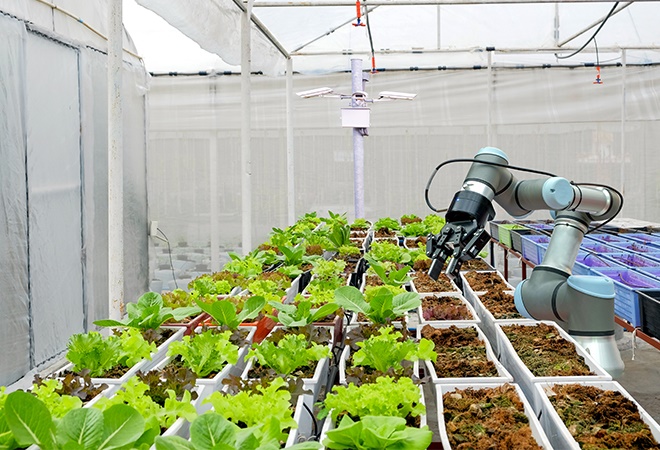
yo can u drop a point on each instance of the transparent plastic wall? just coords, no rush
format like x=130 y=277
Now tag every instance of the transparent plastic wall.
x=554 y=120
x=53 y=192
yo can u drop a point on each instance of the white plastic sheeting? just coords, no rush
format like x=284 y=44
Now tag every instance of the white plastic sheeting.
x=320 y=38
x=53 y=184
x=549 y=119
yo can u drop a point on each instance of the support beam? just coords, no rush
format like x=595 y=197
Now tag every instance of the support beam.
x=358 y=142
x=246 y=125
x=596 y=23
x=290 y=156
x=115 y=164
x=247 y=5
x=297 y=3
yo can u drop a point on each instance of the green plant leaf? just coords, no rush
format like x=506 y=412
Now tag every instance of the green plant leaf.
x=252 y=308
x=405 y=302
x=350 y=298
x=173 y=443
x=381 y=306
x=122 y=426
x=324 y=311
x=83 y=427
x=29 y=420
x=222 y=311
x=181 y=313
x=209 y=430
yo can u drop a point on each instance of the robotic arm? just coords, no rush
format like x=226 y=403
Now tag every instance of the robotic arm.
x=582 y=305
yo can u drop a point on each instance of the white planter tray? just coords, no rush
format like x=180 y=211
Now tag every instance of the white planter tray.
x=524 y=376
x=470 y=308
x=555 y=428
x=454 y=289
x=503 y=375
x=537 y=430
x=471 y=295
x=329 y=425
x=488 y=321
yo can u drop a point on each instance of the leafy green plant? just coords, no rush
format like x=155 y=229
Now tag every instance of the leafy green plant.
x=387 y=223
x=57 y=404
x=206 y=352
x=249 y=266
x=371 y=291
x=76 y=385
x=360 y=224
x=328 y=269
x=340 y=235
x=156 y=416
x=255 y=408
x=90 y=351
x=176 y=298
x=224 y=311
x=410 y=218
x=386 y=350
x=295 y=256
x=149 y=313
x=26 y=421
x=206 y=286
x=377 y=432
x=386 y=251
x=382 y=308
x=349 y=250
x=393 y=277
x=415 y=229
x=211 y=430
x=385 y=397
x=291 y=352
x=434 y=223
x=335 y=219
x=301 y=314
x=171 y=378
x=267 y=289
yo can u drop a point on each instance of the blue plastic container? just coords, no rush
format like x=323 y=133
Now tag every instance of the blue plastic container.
x=632 y=260
x=530 y=247
x=652 y=272
x=597 y=247
x=645 y=238
x=606 y=238
x=635 y=247
x=626 y=283
x=586 y=260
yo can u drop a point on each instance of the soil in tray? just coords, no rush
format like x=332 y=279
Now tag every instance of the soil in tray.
x=424 y=283
x=488 y=418
x=445 y=308
x=500 y=304
x=414 y=242
x=460 y=352
x=384 y=233
x=545 y=353
x=485 y=281
x=600 y=419
x=475 y=264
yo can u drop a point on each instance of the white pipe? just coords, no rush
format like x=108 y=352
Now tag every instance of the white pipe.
x=214 y=195
x=246 y=163
x=623 y=121
x=489 y=125
x=115 y=164
x=290 y=157
x=358 y=143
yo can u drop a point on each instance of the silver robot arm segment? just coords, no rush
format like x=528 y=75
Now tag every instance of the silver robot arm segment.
x=584 y=306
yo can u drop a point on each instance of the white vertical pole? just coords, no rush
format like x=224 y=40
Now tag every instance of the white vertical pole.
x=290 y=161
x=358 y=143
x=115 y=164
x=438 y=21
x=489 y=126
x=213 y=191
x=623 y=121
x=246 y=162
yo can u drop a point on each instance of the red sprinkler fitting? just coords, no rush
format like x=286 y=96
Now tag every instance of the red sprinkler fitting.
x=598 y=79
x=359 y=15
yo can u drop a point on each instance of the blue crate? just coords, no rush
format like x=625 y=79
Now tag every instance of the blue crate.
x=644 y=238
x=631 y=260
x=608 y=239
x=586 y=260
x=597 y=247
x=635 y=247
x=626 y=284
x=652 y=272
x=530 y=247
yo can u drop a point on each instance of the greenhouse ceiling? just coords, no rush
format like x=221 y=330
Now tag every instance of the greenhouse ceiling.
x=321 y=36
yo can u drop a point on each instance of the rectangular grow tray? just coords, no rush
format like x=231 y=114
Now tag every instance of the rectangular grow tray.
x=649 y=303
x=516 y=237
x=632 y=260
x=626 y=284
x=530 y=247
x=505 y=233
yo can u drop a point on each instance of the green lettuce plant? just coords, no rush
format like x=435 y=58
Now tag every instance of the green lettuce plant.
x=385 y=397
x=224 y=311
x=386 y=350
x=392 y=277
x=212 y=431
x=249 y=266
x=25 y=420
x=91 y=351
x=206 y=352
x=387 y=251
x=415 y=229
x=149 y=313
x=434 y=223
x=387 y=223
x=383 y=307
x=290 y=353
x=301 y=314
x=257 y=408
x=360 y=224
x=372 y=432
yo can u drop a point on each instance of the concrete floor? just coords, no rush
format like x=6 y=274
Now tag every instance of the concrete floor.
x=642 y=374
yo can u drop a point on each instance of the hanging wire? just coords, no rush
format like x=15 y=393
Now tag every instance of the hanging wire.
x=593 y=36
x=371 y=41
